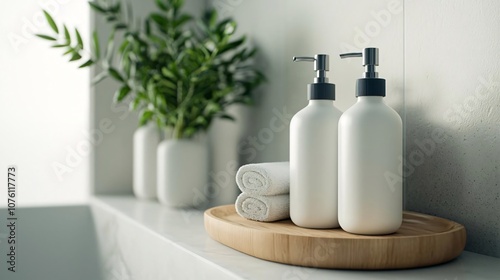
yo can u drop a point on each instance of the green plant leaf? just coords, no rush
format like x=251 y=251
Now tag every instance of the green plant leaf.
x=182 y=20
x=245 y=100
x=168 y=84
x=97 y=8
x=145 y=116
x=120 y=26
x=201 y=120
x=75 y=56
x=147 y=27
x=59 y=45
x=159 y=19
x=260 y=76
x=202 y=26
x=121 y=93
x=123 y=46
x=250 y=54
x=221 y=26
x=160 y=101
x=212 y=19
x=114 y=73
x=70 y=50
x=51 y=22
x=97 y=48
x=99 y=77
x=189 y=131
x=229 y=28
x=134 y=104
x=161 y=5
x=88 y=63
x=110 y=47
x=46 y=37
x=79 y=39
x=212 y=107
x=167 y=73
x=232 y=45
x=116 y=7
x=151 y=90
x=223 y=22
x=66 y=34
x=177 y=4
x=227 y=117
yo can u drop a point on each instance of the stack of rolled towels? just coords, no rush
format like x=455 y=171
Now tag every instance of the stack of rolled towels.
x=265 y=191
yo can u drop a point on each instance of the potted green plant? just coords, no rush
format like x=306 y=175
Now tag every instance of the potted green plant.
x=179 y=72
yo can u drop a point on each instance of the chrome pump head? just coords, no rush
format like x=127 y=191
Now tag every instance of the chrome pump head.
x=370 y=60
x=320 y=89
x=370 y=84
x=321 y=65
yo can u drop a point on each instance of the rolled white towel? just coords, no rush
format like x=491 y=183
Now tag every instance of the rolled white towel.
x=270 y=178
x=263 y=208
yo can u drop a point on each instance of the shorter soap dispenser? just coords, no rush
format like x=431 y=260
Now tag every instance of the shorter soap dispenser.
x=370 y=154
x=313 y=153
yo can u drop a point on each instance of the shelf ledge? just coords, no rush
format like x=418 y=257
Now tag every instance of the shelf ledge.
x=149 y=239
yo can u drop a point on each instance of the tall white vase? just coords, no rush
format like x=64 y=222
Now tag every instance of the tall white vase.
x=182 y=176
x=146 y=140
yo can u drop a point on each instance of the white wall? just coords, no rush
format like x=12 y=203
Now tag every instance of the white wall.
x=44 y=105
x=453 y=91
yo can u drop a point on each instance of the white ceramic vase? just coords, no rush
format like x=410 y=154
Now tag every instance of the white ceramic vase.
x=146 y=140
x=182 y=172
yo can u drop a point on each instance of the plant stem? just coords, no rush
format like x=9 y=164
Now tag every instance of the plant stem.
x=179 y=126
x=188 y=96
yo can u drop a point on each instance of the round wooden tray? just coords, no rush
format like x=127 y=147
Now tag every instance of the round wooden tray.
x=422 y=240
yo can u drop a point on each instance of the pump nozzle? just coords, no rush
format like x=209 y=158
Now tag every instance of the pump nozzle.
x=370 y=84
x=321 y=65
x=320 y=89
x=370 y=60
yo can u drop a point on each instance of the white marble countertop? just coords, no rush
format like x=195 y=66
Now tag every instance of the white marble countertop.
x=184 y=231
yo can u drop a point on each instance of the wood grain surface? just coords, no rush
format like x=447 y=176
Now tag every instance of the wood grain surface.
x=422 y=240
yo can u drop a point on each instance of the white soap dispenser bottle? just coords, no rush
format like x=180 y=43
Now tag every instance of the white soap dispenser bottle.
x=313 y=153
x=370 y=153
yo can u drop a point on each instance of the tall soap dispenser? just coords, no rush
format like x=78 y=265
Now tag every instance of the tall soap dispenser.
x=370 y=152
x=313 y=153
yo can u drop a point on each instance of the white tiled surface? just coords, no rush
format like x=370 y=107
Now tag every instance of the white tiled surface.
x=144 y=240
